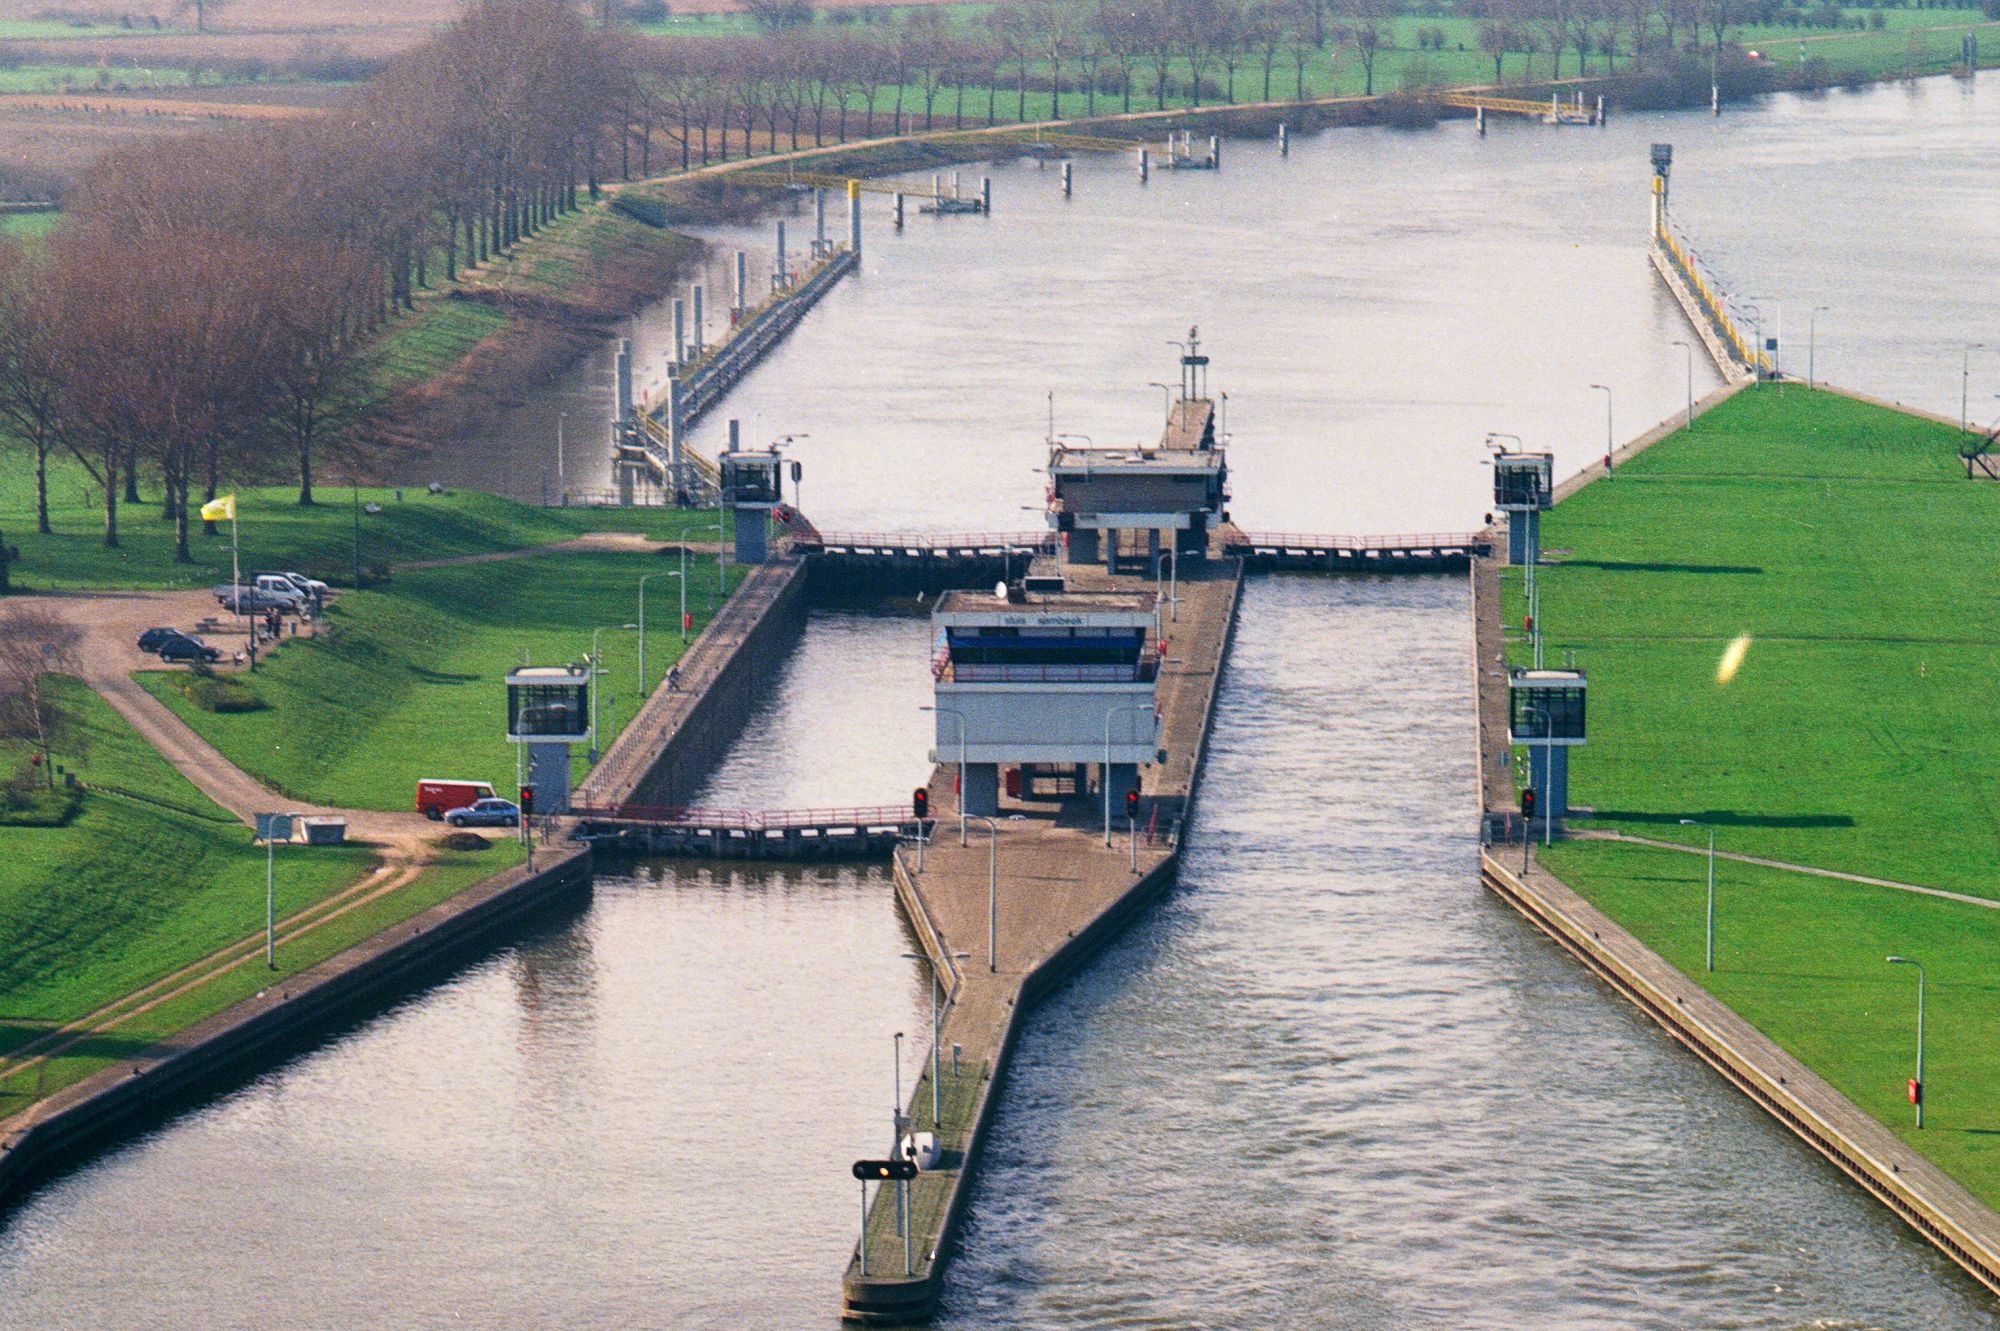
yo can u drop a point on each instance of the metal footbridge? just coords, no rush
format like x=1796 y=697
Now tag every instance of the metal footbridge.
x=1356 y=554
x=745 y=834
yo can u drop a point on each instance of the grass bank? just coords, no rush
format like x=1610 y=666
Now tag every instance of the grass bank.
x=1843 y=539
x=405 y=682
x=275 y=532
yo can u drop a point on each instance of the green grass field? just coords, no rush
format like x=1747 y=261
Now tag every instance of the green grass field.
x=1844 y=539
x=1804 y=960
x=149 y=877
x=406 y=681
x=275 y=532
x=28 y=226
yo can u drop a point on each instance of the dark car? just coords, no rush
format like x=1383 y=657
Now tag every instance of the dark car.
x=485 y=813
x=150 y=640
x=181 y=647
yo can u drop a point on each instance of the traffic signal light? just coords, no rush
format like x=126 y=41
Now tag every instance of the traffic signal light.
x=920 y=802
x=884 y=1169
x=1132 y=802
x=1528 y=803
x=527 y=801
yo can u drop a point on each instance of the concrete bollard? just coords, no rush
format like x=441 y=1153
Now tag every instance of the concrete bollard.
x=1479 y=119
x=1145 y=165
x=699 y=320
x=986 y=195
x=1600 y=112
x=1068 y=179
x=819 y=223
x=1215 y=151
x=899 y=212
x=742 y=283
x=783 y=278
x=1284 y=140
x=854 y=216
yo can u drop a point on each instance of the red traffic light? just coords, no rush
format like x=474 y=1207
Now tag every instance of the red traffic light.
x=1528 y=802
x=1132 y=803
x=884 y=1169
x=920 y=802
x=687 y=623
x=1916 y=1091
x=527 y=800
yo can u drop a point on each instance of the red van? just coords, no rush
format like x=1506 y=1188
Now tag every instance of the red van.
x=437 y=796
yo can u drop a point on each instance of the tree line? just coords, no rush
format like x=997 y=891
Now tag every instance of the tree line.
x=200 y=312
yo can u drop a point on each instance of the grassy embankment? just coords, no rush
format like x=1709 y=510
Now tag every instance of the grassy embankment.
x=405 y=681
x=1857 y=735
x=149 y=877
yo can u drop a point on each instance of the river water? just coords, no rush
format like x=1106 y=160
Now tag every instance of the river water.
x=1329 y=1082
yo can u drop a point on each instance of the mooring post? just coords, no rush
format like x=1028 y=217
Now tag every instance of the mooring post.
x=742 y=284
x=1284 y=139
x=698 y=321
x=1067 y=179
x=784 y=277
x=854 y=217
x=674 y=477
x=622 y=365
x=986 y=195
x=1479 y=119
x=819 y=223
x=680 y=333
x=1215 y=151
x=1600 y=111
x=1145 y=165
x=899 y=212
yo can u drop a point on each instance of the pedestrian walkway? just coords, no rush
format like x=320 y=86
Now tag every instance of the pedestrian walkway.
x=1987 y=903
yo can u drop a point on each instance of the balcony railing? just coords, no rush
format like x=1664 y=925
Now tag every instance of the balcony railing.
x=1139 y=672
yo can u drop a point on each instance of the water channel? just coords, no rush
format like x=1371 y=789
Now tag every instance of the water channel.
x=1329 y=1082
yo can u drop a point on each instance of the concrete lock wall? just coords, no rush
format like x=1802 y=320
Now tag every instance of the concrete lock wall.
x=1045 y=723
x=714 y=721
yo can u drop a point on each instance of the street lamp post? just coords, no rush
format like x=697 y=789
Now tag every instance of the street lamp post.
x=1710 y=951
x=1905 y=961
x=642 y=618
x=721 y=539
x=355 y=486
x=937 y=1098
x=1609 y=448
x=1778 y=322
x=1172 y=560
x=562 y=473
x=1812 y=340
x=596 y=669
x=1106 y=778
x=1167 y=402
x=958 y=716
x=1964 y=380
x=1683 y=345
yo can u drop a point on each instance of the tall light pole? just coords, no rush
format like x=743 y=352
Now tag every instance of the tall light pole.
x=1812 y=339
x=562 y=481
x=1965 y=379
x=958 y=716
x=1608 y=446
x=642 y=618
x=1167 y=402
x=596 y=669
x=992 y=891
x=937 y=1098
x=1691 y=822
x=1918 y=1094
x=1684 y=346
x=1106 y=778
x=1778 y=322
x=721 y=539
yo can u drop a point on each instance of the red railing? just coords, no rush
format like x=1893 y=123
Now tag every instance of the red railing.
x=747 y=820
x=1297 y=541
x=927 y=541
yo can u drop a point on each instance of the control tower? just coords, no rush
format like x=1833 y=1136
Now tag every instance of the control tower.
x=1523 y=488
x=1174 y=492
x=548 y=710
x=1545 y=715
x=1038 y=682
x=752 y=486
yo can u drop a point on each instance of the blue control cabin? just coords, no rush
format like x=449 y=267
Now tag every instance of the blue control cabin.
x=1546 y=715
x=1523 y=488
x=752 y=487
x=1035 y=690
x=548 y=710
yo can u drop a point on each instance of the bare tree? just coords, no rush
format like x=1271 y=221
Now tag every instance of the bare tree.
x=35 y=645
x=31 y=370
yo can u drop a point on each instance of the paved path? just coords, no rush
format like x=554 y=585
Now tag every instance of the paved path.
x=1986 y=903
x=616 y=542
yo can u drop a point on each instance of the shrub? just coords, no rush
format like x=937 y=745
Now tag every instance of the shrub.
x=215 y=693
x=26 y=804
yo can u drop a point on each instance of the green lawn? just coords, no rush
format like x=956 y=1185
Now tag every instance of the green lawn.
x=406 y=681
x=276 y=532
x=149 y=877
x=28 y=226
x=1803 y=959
x=88 y=78
x=1846 y=541
x=425 y=344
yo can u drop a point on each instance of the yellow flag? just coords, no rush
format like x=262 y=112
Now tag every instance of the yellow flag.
x=219 y=510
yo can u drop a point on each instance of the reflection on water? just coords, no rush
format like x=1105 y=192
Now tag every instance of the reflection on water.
x=1329 y=1082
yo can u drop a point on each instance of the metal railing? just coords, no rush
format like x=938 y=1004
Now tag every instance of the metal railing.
x=1708 y=294
x=1299 y=541
x=1139 y=672
x=1042 y=542
x=747 y=820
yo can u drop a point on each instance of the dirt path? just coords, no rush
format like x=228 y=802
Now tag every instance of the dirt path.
x=599 y=542
x=1963 y=898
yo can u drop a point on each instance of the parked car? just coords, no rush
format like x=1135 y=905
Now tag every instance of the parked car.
x=181 y=647
x=437 y=796
x=150 y=640
x=311 y=588
x=249 y=600
x=486 y=813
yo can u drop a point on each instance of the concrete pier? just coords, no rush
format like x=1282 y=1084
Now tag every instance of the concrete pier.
x=1061 y=893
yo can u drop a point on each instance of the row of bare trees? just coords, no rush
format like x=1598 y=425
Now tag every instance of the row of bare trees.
x=199 y=313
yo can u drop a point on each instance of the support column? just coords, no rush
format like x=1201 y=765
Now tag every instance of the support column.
x=680 y=333
x=784 y=275
x=548 y=773
x=742 y=284
x=979 y=791
x=819 y=223
x=854 y=217
x=699 y=323
x=1524 y=538
x=1548 y=774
